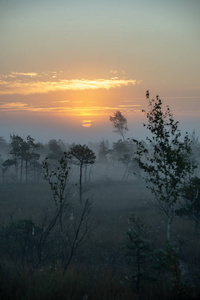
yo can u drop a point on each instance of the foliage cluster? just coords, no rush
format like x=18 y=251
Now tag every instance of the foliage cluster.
x=166 y=161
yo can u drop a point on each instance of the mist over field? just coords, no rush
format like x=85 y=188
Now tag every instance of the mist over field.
x=99 y=150
x=122 y=215
x=45 y=126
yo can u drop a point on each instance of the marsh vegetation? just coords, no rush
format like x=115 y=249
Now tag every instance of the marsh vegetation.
x=90 y=221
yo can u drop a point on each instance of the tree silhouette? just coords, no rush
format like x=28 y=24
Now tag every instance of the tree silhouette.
x=103 y=151
x=166 y=161
x=119 y=124
x=5 y=167
x=16 y=152
x=82 y=156
x=23 y=153
x=56 y=151
x=30 y=155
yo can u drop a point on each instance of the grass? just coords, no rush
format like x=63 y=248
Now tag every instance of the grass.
x=80 y=282
x=99 y=270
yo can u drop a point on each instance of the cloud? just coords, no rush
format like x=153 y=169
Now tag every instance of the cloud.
x=38 y=85
x=13 y=106
x=24 y=74
x=128 y=105
x=18 y=74
x=83 y=111
x=113 y=71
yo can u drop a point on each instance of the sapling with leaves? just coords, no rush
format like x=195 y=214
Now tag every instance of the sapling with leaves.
x=167 y=262
x=57 y=177
x=139 y=250
x=20 y=242
x=167 y=159
x=149 y=263
x=73 y=219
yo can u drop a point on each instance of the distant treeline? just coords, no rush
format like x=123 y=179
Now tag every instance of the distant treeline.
x=21 y=158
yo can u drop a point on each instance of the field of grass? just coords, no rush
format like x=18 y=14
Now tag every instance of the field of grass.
x=99 y=269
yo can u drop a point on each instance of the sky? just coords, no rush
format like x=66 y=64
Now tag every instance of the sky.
x=66 y=66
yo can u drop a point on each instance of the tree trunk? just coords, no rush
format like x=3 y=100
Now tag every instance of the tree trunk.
x=169 y=222
x=197 y=227
x=16 y=170
x=138 y=272
x=21 y=169
x=26 y=166
x=85 y=173
x=80 y=183
x=90 y=172
x=3 y=177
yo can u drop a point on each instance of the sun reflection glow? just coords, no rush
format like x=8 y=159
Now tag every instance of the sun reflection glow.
x=86 y=123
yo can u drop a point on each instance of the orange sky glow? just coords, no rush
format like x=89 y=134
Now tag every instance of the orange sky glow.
x=67 y=66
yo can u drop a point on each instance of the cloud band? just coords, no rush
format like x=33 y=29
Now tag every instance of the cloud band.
x=25 y=87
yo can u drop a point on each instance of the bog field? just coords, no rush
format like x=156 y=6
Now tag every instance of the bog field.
x=100 y=267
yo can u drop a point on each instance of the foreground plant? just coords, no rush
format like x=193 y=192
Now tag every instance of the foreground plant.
x=139 y=250
x=167 y=159
x=72 y=219
x=151 y=264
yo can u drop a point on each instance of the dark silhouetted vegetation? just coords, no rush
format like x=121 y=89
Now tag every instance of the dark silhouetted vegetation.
x=77 y=221
x=119 y=124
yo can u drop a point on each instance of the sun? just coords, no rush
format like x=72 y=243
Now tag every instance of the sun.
x=86 y=123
